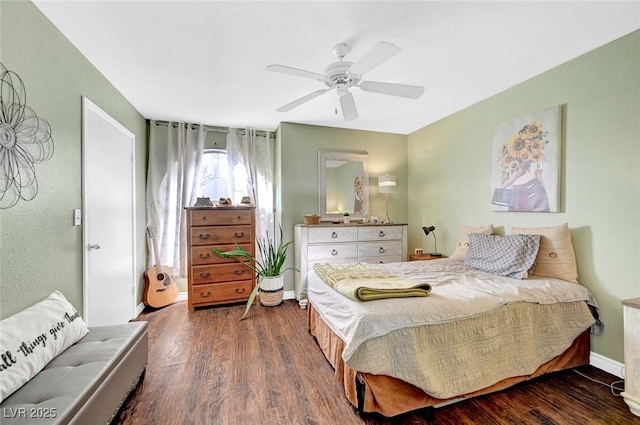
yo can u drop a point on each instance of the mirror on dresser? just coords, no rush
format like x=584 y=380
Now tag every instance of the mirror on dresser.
x=343 y=184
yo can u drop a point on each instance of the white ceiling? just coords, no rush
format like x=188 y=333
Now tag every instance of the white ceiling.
x=203 y=61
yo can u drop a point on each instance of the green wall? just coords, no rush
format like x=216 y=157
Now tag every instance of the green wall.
x=40 y=249
x=297 y=148
x=600 y=179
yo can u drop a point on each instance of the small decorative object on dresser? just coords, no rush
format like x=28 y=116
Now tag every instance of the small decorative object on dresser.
x=203 y=202
x=345 y=243
x=212 y=279
x=311 y=219
x=631 y=392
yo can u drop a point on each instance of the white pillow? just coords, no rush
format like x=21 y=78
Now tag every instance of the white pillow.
x=460 y=252
x=30 y=339
x=556 y=257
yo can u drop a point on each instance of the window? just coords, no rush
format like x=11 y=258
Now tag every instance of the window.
x=214 y=175
x=215 y=180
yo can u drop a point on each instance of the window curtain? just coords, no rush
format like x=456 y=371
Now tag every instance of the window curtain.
x=251 y=156
x=175 y=156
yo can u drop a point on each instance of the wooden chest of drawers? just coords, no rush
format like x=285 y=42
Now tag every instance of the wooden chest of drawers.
x=212 y=279
x=345 y=243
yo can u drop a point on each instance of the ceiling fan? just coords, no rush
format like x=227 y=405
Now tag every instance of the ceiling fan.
x=343 y=75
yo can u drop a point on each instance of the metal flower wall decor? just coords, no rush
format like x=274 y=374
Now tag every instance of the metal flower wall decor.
x=25 y=140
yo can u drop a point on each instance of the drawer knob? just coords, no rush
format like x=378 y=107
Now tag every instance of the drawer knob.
x=205 y=275
x=204 y=236
x=334 y=252
x=205 y=294
x=382 y=234
x=238 y=272
x=239 y=217
x=381 y=250
x=205 y=256
x=334 y=235
x=204 y=218
x=240 y=290
x=238 y=235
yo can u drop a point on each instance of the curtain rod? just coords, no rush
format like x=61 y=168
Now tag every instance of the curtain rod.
x=239 y=131
x=194 y=126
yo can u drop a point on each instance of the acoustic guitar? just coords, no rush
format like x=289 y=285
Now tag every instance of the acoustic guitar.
x=159 y=288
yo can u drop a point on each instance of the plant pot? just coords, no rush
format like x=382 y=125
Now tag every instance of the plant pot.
x=271 y=290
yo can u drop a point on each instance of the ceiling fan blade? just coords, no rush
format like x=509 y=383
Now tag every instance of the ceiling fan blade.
x=295 y=71
x=393 y=89
x=302 y=100
x=348 y=106
x=380 y=53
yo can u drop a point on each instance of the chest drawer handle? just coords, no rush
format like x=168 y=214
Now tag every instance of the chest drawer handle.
x=240 y=290
x=238 y=235
x=382 y=234
x=205 y=256
x=204 y=236
x=204 y=218
x=205 y=274
x=238 y=272
x=381 y=250
x=205 y=294
x=334 y=235
x=334 y=252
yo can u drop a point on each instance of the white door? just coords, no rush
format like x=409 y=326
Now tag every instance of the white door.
x=108 y=218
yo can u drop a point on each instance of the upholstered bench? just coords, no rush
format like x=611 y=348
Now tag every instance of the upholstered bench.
x=86 y=383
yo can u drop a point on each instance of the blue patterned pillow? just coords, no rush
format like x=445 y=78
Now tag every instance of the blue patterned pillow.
x=512 y=255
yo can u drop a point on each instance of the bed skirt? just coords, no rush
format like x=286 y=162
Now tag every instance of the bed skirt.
x=391 y=396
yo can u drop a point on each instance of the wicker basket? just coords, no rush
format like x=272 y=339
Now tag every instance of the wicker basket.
x=311 y=219
x=271 y=298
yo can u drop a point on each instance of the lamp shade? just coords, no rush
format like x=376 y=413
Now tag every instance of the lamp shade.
x=386 y=184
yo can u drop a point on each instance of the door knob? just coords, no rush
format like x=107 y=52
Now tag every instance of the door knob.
x=93 y=246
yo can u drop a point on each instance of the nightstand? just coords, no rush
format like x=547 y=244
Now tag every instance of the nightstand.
x=423 y=257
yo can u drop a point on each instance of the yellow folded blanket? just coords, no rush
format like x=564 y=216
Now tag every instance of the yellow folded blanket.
x=362 y=282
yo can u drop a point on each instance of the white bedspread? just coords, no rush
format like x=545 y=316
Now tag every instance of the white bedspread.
x=457 y=294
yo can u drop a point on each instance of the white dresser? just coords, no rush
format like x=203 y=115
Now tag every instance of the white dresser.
x=345 y=243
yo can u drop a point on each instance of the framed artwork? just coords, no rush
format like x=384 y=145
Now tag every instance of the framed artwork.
x=525 y=175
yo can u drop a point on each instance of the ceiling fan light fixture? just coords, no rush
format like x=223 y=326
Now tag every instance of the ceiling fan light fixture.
x=343 y=75
x=341 y=50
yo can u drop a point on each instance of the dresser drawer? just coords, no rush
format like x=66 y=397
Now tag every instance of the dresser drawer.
x=220 y=273
x=220 y=292
x=220 y=235
x=331 y=252
x=203 y=255
x=333 y=234
x=217 y=217
x=379 y=233
x=382 y=259
x=373 y=249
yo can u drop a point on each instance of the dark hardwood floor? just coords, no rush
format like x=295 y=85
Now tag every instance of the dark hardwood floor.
x=208 y=367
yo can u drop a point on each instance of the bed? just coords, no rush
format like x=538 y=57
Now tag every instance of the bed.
x=475 y=333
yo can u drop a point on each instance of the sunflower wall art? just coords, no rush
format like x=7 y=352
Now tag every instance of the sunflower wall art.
x=526 y=163
x=25 y=140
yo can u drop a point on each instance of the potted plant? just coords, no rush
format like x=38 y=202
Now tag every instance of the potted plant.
x=268 y=266
x=346 y=218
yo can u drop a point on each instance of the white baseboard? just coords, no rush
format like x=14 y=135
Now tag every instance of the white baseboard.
x=139 y=309
x=182 y=296
x=608 y=365
x=289 y=295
